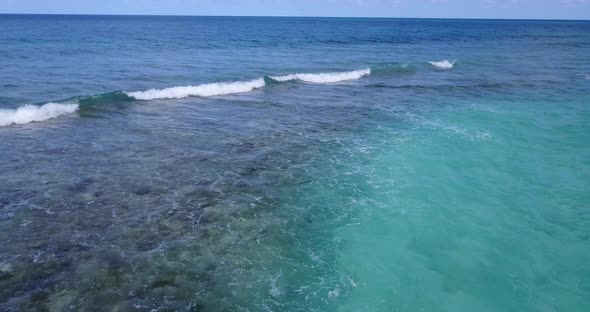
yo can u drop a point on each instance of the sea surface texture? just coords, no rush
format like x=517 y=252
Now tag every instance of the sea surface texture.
x=294 y=164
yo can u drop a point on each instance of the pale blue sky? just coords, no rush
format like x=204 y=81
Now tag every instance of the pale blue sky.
x=559 y=9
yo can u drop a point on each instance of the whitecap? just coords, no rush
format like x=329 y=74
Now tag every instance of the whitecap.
x=444 y=64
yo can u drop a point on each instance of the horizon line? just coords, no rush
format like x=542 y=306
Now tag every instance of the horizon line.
x=300 y=16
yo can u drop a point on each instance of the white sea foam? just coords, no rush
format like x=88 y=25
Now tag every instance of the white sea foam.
x=325 y=77
x=274 y=290
x=29 y=113
x=334 y=293
x=444 y=64
x=204 y=90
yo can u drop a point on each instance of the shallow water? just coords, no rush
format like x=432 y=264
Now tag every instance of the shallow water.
x=418 y=187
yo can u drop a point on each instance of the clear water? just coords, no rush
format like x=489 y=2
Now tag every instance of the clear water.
x=455 y=186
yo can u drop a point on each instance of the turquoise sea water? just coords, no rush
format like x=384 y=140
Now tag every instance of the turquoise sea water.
x=310 y=164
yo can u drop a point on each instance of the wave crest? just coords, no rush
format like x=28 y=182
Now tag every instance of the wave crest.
x=204 y=90
x=444 y=64
x=325 y=77
x=394 y=68
x=29 y=113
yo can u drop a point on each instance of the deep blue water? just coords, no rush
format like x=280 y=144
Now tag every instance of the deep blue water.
x=293 y=164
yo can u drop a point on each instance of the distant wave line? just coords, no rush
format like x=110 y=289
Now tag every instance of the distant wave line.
x=226 y=88
x=31 y=113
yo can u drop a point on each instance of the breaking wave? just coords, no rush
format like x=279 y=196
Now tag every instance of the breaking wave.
x=204 y=90
x=29 y=113
x=324 y=77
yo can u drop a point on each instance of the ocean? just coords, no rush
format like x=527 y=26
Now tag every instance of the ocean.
x=293 y=164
